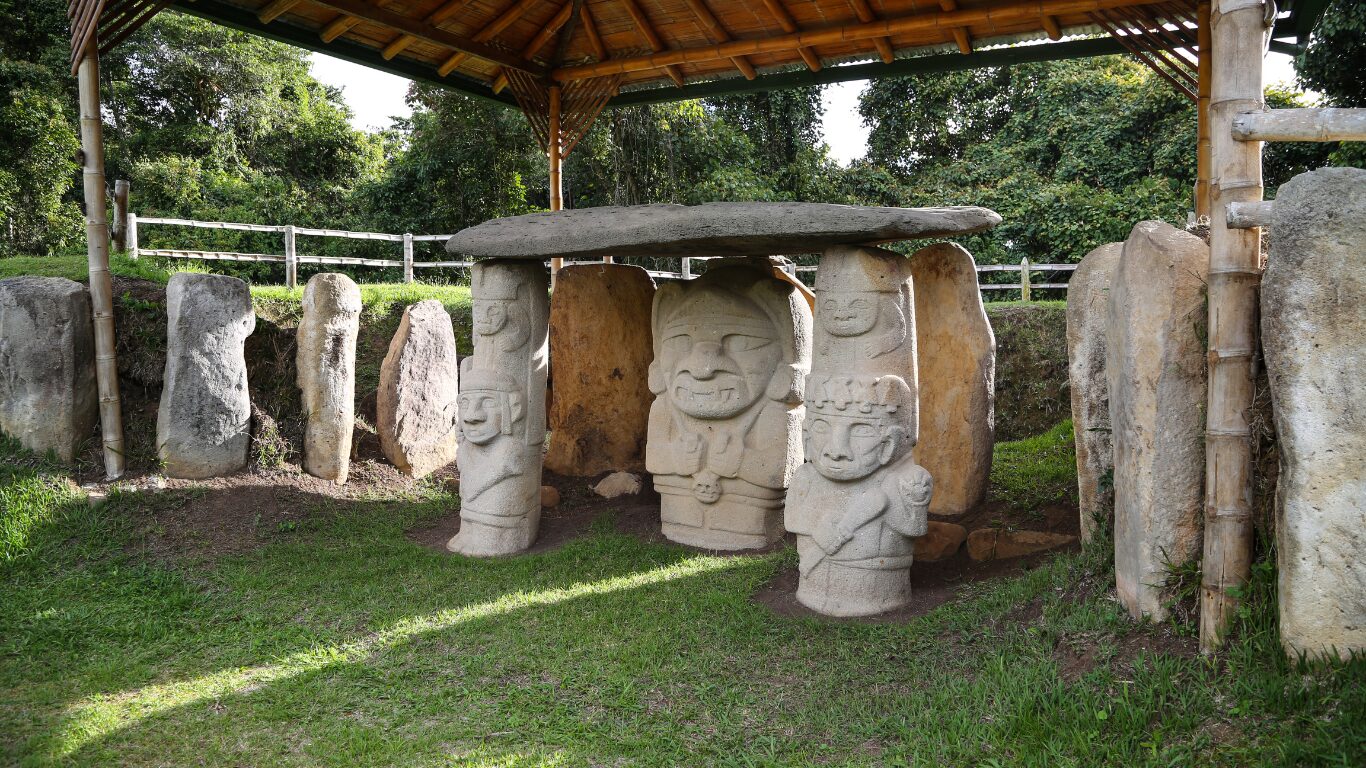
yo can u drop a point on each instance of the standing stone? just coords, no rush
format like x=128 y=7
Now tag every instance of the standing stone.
x=502 y=410
x=204 y=423
x=860 y=499
x=732 y=350
x=416 y=405
x=326 y=361
x=956 y=354
x=600 y=353
x=1088 y=305
x=1313 y=327
x=48 y=400
x=1155 y=369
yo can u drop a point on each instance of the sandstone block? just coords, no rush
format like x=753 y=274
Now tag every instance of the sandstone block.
x=996 y=544
x=326 y=360
x=600 y=353
x=1156 y=374
x=940 y=542
x=204 y=423
x=1313 y=326
x=48 y=400
x=417 y=402
x=956 y=353
x=1088 y=303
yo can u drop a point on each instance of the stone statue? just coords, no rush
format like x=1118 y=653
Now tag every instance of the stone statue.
x=502 y=410
x=732 y=349
x=860 y=498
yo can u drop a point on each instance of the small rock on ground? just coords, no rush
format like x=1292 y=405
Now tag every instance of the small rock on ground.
x=940 y=542
x=618 y=484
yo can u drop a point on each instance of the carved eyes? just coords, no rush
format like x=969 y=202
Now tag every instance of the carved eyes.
x=863 y=431
x=739 y=342
x=856 y=307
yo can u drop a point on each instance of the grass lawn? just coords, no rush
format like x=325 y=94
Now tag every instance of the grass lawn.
x=339 y=642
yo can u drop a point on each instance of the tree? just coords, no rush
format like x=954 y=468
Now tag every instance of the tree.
x=1331 y=64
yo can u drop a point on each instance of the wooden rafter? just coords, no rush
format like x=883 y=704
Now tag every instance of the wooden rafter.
x=960 y=34
x=865 y=14
x=538 y=42
x=719 y=34
x=84 y=16
x=1151 y=48
x=436 y=18
x=116 y=32
x=789 y=26
x=590 y=30
x=1050 y=26
x=647 y=30
x=275 y=10
x=488 y=33
x=580 y=104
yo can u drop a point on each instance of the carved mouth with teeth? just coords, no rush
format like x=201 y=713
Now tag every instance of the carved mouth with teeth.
x=718 y=397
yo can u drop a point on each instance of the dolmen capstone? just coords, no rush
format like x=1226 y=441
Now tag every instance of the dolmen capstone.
x=1313 y=310
x=1088 y=314
x=1156 y=374
x=502 y=409
x=860 y=498
x=48 y=399
x=326 y=360
x=204 y=422
x=732 y=349
x=416 y=406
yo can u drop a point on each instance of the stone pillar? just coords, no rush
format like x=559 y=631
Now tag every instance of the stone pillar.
x=956 y=355
x=1313 y=327
x=326 y=362
x=204 y=423
x=417 y=402
x=502 y=409
x=600 y=353
x=48 y=400
x=860 y=499
x=1156 y=374
x=1088 y=305
x=732 y=350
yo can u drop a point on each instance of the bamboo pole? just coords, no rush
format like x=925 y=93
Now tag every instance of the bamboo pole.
x=97 y=254
x=1245 y=215
x=1237 y=33
x=1305 y=124
x=556 y=166
x=1202 y=142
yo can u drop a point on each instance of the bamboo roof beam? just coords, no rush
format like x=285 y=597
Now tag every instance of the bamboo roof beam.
x=720 y=34
x=590 y=30
x=865 y=14
x=960 y=34
x=647 y=31
x=435 y=18
x=275 y=10
x=338 y=27
x=1142 y=41
x=490 y=31
x=1050 y=25
x=1140 y=51
x=789 y=26
x=538 y=42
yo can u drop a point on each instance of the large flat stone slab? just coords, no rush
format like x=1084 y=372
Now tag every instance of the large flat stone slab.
x=1088 y=319
x=712 y=229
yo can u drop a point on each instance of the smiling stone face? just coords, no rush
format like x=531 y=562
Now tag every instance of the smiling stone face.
x=719 y=368
x=848 y=313
x=481 y=416
x=848 y=448
x=489 y=316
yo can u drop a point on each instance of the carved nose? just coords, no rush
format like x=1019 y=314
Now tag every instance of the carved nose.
x=837 y=449
x=476 y=415
x=705 y=356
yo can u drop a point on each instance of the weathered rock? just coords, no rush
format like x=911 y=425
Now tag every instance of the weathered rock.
x=326 y=360
x=732 y=349
x=204 y=423
x=600 y=353
x=712 y=229
x=1313 y=327
x=48 y=400
x=502 y=410
x=618 y=484
x=1156 y=374
x=417 y=405
x=940 y=542
x=1088 y=314
x=860 y=499
x=996 y=544
x=956 y=353
x=550 y=497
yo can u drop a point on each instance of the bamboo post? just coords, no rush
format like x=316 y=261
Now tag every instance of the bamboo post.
x=556 y=166
x=1237 y=33
x=121 y=215
x=97 y=254
x=291 y=259
x=1303 y=124
x=1024 y=279
x=407 y=257
x=1202 y=141
x=132 y=239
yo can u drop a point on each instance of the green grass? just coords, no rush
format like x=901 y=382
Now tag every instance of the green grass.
x=1031 y=473
x=75 y=267
x=340 y=643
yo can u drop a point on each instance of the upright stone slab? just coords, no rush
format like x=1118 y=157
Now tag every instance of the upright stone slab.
x=417 y=405
x=956 y=353
x=1156 y=373
x=1088 y=314
x=1314 y=339
x=48 y=400
x=204 y=423
x=732 y=349
x=502 y=410
x=600 y=353
x=860 y=498
x=326 y=361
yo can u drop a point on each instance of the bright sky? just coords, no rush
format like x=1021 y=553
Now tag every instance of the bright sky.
x=375 y=97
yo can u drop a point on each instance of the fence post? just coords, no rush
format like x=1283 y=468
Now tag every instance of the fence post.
x=120 y=234
x=407 y=257
x=687 y=268
x=131 y=239
x=291 y=259
x=1024 y=279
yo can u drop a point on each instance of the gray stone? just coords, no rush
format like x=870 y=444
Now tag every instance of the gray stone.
x=204 y=423
x=1313 y=327
x=860 y=499
x=326 y=361
x=732 y=349
x=502 y=410
x=712 y=229
x=956 y=354
x=48 y=400
x=1088 y=314
x=417 y=404
x=1156 y=374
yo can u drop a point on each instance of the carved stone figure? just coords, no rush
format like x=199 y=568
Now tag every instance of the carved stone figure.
x=860 y=499
x=502 y=410
x=732 y=350
x=326 y=360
